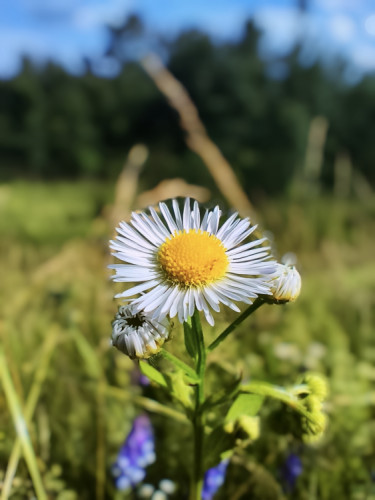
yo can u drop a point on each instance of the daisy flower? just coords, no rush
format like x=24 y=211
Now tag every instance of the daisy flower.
x=184 y=262
x=136 y=335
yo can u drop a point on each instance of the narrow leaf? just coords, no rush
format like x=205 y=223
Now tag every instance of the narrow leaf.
x=152 y=373
x=190 y=342
x=180 y=389
x=244 y=404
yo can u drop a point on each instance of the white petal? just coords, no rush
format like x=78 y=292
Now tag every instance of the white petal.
x=132 y=234
x=204 y=221
x=196 y=216
x=159 y=223
x=226 y=225
x=177 y=215
x=247 y=246
x=137 y=289
x=191 y=302
x=175 y=305
x=187 y=215
x=132 y=258
x=172 y=294
x=143 y=227
x=214 y=220
x=168 y=218
x=213 y=303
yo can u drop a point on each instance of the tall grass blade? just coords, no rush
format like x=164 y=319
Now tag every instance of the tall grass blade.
x=21 y=427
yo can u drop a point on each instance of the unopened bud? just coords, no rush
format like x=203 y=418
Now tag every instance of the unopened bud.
x=136 y=335
x=314 y=425
x=317 y=385
x=286 y=284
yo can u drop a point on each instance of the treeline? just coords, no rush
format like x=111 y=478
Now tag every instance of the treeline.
x=55 y=125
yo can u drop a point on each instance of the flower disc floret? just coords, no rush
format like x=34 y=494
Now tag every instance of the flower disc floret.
x=194 y=258
x=180 y=261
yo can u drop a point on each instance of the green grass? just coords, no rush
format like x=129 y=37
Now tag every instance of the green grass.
x=56 y=311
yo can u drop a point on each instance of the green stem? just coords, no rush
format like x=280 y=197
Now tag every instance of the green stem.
x=198 y=424
x=146 y=403
x=197 y=482
x=269 y=390
x=254 y=306
x=179 y=364
x=201 y=356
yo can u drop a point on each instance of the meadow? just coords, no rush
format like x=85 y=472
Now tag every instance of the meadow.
x=80 y=395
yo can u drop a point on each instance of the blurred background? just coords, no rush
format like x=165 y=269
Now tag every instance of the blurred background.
x=94 y=123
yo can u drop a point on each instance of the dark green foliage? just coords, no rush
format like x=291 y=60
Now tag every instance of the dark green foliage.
x=53 y=124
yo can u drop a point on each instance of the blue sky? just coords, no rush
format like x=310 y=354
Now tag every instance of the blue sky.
x=67 y=30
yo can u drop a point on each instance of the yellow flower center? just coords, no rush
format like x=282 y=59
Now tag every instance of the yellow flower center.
x=193 y=258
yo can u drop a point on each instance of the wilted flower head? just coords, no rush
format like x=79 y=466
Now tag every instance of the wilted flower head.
x=184 y=262
x=136 y=335
x=286 y=285
x=213 y=479
x=135 y=455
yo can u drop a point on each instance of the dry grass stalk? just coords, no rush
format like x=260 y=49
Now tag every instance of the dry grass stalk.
x=196 y=135
x=172 y=188
x=315 y=147
x=127 y=184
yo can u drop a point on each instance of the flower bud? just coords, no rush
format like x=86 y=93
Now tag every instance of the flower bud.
x=286 y=284
x=137 y=335
x=316 y=384
x=314 y=426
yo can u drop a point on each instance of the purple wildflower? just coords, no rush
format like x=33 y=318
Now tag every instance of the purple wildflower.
x=291 y=470
x=135 y=455
x=213 y=479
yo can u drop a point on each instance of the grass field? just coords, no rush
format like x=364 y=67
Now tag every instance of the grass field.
x=55 y=315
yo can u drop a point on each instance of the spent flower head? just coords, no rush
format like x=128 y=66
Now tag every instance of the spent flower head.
x=187 y=261
x=137 y=335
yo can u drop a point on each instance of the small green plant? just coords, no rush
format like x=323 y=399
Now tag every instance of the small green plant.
x=184 y=264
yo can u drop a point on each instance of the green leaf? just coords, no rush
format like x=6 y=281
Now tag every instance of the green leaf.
x=190 y=341
x=219 y=445
x=152 y=373
x=180 y=389
x=223 y=395
x=88 y=354
x=244 y=404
